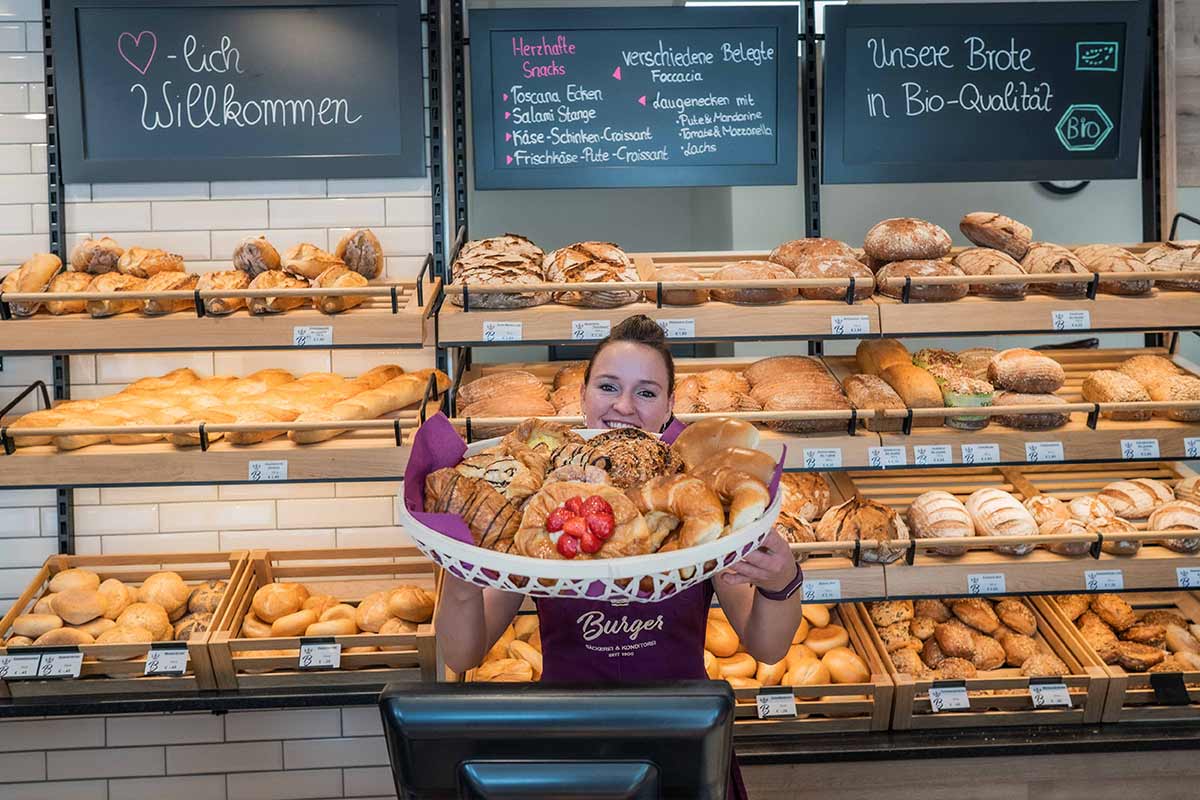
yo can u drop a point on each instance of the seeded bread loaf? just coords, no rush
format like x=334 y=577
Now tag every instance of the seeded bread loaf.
x=1110 y=386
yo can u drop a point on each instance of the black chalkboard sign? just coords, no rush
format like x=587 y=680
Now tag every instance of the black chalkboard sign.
x=153 y=90
x=633 y=97
x=983 y=92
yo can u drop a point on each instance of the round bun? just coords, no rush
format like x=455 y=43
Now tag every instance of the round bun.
x=123 y=634
x=816 y=614
x=334 y=627
x=44 y=606
x=738 y=682
x=411 y=603
x=96 y=626
x=294 y=624
x=63 y=636
x=739 y=665
x=74 y=579
x=822 y=640
x=254 y=628
x=151 y=617
x=34 y=625
x=166 y=589
x=117 y=597
x=192 y=623
x=372 y=612
x=396 y=625
x=845 y=666
x=771 y=674
x=277 y=600
x=720 y=639
x=797 y=653
x=320 y=603
x=340 y=611
x=807 y=672
x=78 y=606
x=205 y=598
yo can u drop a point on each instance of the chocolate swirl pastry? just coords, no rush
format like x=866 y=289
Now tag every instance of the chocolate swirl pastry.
x=629 y=456
x=492 y=520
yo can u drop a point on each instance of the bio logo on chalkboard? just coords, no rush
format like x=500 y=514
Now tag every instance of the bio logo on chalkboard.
x=1083 y=127
x=1096 y=56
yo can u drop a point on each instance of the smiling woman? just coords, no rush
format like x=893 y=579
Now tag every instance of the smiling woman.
x=629 y=381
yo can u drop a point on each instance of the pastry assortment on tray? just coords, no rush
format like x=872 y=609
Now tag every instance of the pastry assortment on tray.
x=267 y=396
x=1153 y=640
x=546 y=492
x=102 y=265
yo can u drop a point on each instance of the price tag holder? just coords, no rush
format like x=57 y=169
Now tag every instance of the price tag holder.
x=1104 y=580
x=312 y=336
x=822 y=591
x=263 y=471
x=986 y=583
x=1187 y=577
x=20 y=666
x=678 y=328
x=1071 y=320
x=927 y=454
x=319 y=653
x=822 y=458
x=167 y=659
x=981 y=454
x=494 y=331
x=60 y=664
x=1139 y=448
x=587 y=329
x=884 y=457
x=1041 y=452
x=1049 y=693
x=1191 y=446
x=949 y=696
x=850 y=325
x=776 y=701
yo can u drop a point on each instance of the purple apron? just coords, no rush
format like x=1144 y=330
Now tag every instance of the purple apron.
x=596 y=641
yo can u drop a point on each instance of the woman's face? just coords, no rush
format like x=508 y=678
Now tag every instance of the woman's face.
x=628 y=389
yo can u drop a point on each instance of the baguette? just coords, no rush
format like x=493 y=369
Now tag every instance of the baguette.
x=227 y=279
x=114 y=282
x=921 y=293
x=1031 y=422
x=873 y=356
x=916 y=388
x=871 y=392
x=1026 y=371
x=32 y=276
x=1110 y=386
x=275 y=279
x=338 y=277
x=371 y=404
x=165 y=282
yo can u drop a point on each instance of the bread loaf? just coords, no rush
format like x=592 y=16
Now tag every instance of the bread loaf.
x=998 y=513
x=1031 y=422
x=505 y=260
x=1149 y=369
x=1174 y=388
x=255 y=255
x=32 y=277
x=860 y=518
x=775 y=368
x=924 y=293
x=872 y=393
x=916 y=388
x=1070 y=526
x=169 y=281
x=940 y=515
x=122 y=634
x=114 y=282
x=308 y=261
x=983 y=261
x=1178 y=515
x=275 y=279
x=904 y=238
x=998 y=232
x=1135 y=499
x=216 y=281
x=1168 y=257
x=806 y=393
x=1109 y=258
x=96 y=256
x=68 y=282
x=508 y=383
x=591 y=262
x=1112 y=529
x=1110 y=386
x=753 y=271
x=789 y=254
x=679 y=297
x=873 y=356
x=1026 y=371
x=361 y=251
x=834 y=267
x=1044 y=258
x=142 y=262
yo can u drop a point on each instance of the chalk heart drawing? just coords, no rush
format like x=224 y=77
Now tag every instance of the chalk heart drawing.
x=138 y=51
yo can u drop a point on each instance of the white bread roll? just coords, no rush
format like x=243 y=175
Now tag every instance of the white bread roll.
x=45 y=604
x=151 y=617
x=320 y=603
x=123 y=634
x=739 y=665
x=822 y=640
x=63 y=636
x=807 y=672
x=373 y=611
x=166 y=589
x=96 y=626
x=294 y=624
x=411 y=603
x=255 y=628
x=340 y=611
x=117 y=597
x=720 y=639
x=333 y=627
x=771 y=674
x=276 y=600
x=77 y=606
x=34 y=625
x=846 y=666
x=74 y=579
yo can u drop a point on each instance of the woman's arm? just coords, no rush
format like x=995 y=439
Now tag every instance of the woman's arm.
x=765 y=626
x=470 y=619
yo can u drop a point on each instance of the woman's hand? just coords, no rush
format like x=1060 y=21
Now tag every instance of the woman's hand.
x=771 y=566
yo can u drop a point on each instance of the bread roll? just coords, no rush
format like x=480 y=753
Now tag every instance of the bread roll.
x=700 y=441
x=822 y=640
x=206 y=597
x=411 y=603
x=255 y=628
x=294 y=624
x=720 y=639
x=321 y=603
x=361 y=251
x=216 y=281
x=308 y=261
x=45 y=605
x=166 y=589
x=845 y=666
x=526 y=652
x=1137 y=498
x=34 y=625
x=998 y=513
x=96 y=256
x=890 y=612
x=276 y=600
x=192 y=624
x=772 y=674
x=918 y=292
x=807 y=671
x=338 y=277
x=505 y=670
x=255 y=255
x=991 y=230
x=983 y=261
x=1110 y=386
x=1031 y=422
x=114 y=282
x=739 y=665
x=68 y=282
x=753 y=271
x=117 y=597
x=339 y=611
x=1044 y=258
x=63 y=636
x=940 y=515
x=872 y=393
x=904 y=238
x=372 y=612
x=873 y=356
x=276 y=279
x=149 y=616
x=816 y=614
x=141 y=262
x=74 y=578
x=122 y=634
x=77 y=606
x=1026 y=371
x=170 y=281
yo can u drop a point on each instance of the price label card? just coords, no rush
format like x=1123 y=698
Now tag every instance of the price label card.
x=1191 y=446
x=822 y=591
x=19 y=667
x=678 y=328
x=822 y=458
x=494 y=331
x=949 y=698
x=986 y=583
x=321 y=655
x=850 y=325
x=1040 y=452
x=776 y=704
x=267 y=471
x=1049 y=695
x=1188 y=577
x=163 y=660
x=1103 y=580
x=1139 y=448
x=590 y=328
x=981 y=454
x=1071 y=320
x=884 y=457
x=60 y=665
x=924 y=454
x=312 y=336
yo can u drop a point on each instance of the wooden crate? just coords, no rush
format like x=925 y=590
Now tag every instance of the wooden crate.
x=1131 y=697
x=998 y=697
x=349 y=575
x=126 y=676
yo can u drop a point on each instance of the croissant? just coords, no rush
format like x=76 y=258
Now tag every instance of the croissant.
x=746 y=495
x=687 y=498
x=338 y=277
x=492 y=520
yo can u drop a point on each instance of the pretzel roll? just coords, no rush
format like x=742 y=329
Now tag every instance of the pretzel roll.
x=34 y=625
x=276 y=600
x=746 y=495
x=255 y=628
x=340 y=611
x=771 y=674
x=846 y=666
x=703 y=439
x=333 y=627
x=720 y=638
x=74 y=579
x=411 y=603
x=294 y=624
x=822 y=640
x=372 y=612
x=686 y=498
x=739 y=665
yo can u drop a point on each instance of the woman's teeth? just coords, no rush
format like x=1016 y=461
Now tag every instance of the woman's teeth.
x=615 y=424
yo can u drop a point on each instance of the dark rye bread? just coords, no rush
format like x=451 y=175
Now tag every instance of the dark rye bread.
x=996 y=231
x=905 y=238
x=986 y=261
x=918 y=268
x=789 y=254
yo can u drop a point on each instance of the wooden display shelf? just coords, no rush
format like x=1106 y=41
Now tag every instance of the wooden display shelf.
x=127 y=675
x=997 y=697
x=372 y=324
x=349 y=575
x=1131 y=695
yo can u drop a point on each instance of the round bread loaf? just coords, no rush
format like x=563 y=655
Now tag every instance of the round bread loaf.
x=149 y=616
x=982 y=261
x=920 y=293
x=96 y=626
x=34 y=625
x=1134 y=499
x=1171 y=257
x=77 y=606
x=845 y=666
x=74 y=579
x=276 y=600
x=117 y=597
x=834 y=267
x=1177 y=515
x=679 y=297
x=372 y=612
x=294 y=624
x=789 y=254
x=754 y=271
x=904 y=238
x=410 y=603
x=1044 y=258
x=996 y=231
x=822 y=640
x=206 y=597
x=166 y=589
x=63 y=636
x=255 y=628
x=940 y=515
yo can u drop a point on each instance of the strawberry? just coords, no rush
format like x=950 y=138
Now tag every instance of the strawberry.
x=590 y=544
x=554 y=522
x=600 y=525
x=568 y=547
x=597 y=505
x=574 y=505
x=575 y=527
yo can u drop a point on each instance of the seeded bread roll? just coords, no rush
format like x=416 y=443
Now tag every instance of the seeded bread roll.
x=1044 y=665
x=872 y=393
x=903 y=238
x=1026 y=371
x=1110 y=386
x=1171 y=257
x=1044 y=258
x=923 y=293
x=758 y=271
x=1109 y=258
x=976 y=612
x=983 y=261
x=1177 y=387
x=679 y=297
x=834 y=267
x=996 y=231
x=998 y=513
x=873 y=356
x=940 y=515
x=1137 y=498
